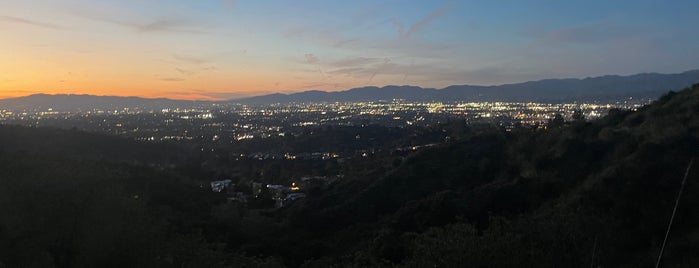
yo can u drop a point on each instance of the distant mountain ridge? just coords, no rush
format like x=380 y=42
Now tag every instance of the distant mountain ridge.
x=73 y=102
x=609 y=87
x=602 y=88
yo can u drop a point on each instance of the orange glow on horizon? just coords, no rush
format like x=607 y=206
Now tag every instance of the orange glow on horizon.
x=57 y=72
x=132 y=72
x=136 y=82
x=27 y=79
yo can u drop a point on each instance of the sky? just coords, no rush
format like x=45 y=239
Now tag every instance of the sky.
x=222 y=49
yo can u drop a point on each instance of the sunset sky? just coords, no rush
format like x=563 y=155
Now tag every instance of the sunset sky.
x=221 y=49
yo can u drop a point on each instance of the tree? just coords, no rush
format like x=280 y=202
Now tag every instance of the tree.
x=556 y=122
x=578 y=116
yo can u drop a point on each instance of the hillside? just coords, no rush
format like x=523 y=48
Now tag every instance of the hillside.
x=75 y=199
x=575 y=194
x=526 y=198
x=74 y=144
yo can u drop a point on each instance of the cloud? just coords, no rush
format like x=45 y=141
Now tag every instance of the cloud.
x=30 y=22
x=172 y=79
x=347 y=71
x=365 y=67
x=420 y=24
x=584 y=34
x=417 y=26
x=160 y=25
x=311 y=58
x=173 y=25
x=354 y=61
x=337 y=37
x=405 y=77
x=184 y=71
x=411 y=71
x=345 y=42
x=380 y=68
x=399 y=26
x=190 y=59
x=163 y=25
x=349 y=37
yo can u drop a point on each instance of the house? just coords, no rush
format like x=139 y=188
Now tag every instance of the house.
x=219 y=186
x=238 y=197
x=290 y=198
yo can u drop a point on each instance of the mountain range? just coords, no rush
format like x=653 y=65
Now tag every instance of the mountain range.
x=602 y=88
x=609 y=87
x=72 y=102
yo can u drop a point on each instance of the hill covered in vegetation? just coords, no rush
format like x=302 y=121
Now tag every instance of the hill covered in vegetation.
x=575 y=194
x=75 y=199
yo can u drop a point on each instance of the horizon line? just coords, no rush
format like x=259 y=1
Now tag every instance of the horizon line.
x=333 y=91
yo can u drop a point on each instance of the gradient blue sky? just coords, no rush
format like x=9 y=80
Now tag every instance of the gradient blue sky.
x=223 y=48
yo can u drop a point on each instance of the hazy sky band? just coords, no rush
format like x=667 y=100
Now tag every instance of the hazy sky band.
x=221 y=48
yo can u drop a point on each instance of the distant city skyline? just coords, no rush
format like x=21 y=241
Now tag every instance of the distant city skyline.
x=222 y=49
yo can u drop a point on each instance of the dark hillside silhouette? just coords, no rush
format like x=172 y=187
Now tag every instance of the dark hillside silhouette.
x=569 y=194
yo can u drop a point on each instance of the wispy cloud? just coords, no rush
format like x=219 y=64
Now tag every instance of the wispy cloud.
x=172 y=79
x=336 y=37
x=411 y=71
x=158 y=25
x=399 y=26
x=354 y=61
x=184 y=71
x=347 y=71
x=190 y=59
x=584 y=34
x=18 y=20
x=420 y=24
x=311 y=58
x=350 y=37
x=380 y=68
x=164 y=25
x=358 y=67
x=345 y=42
